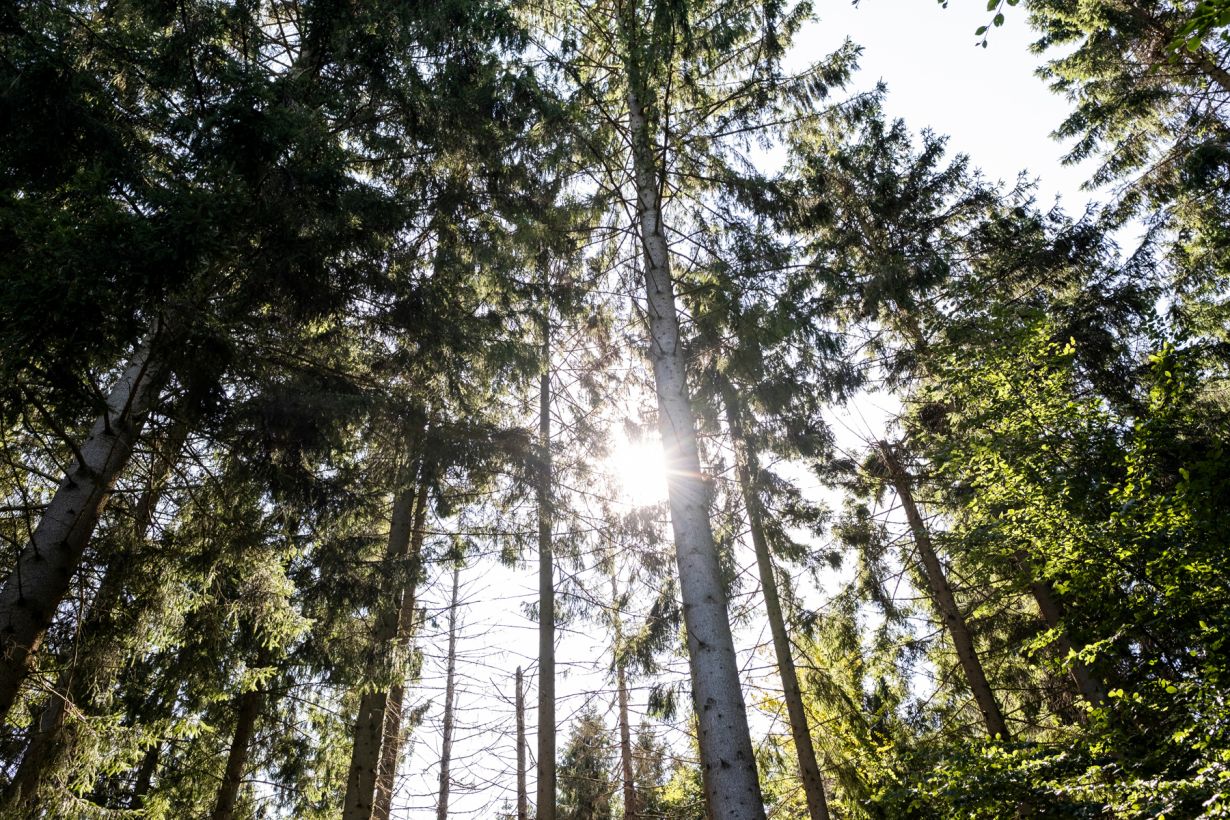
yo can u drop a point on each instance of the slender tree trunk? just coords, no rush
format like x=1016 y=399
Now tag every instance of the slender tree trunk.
x=45 y=568
x=1052 y=614
x=446 y=748
x=546 y=591
x=631 y=807
x=369 y=726
x=732 y=787
x=523 y=798
x=248 y=708
x=390 y=750
x=145 y=775
x=945 y=602
x=746 y=467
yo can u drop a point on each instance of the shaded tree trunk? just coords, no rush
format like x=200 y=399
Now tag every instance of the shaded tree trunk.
x=446 y=748
x=145 y=776
x=248 y=708
x=945 y=602
x=523 y=798
x=631 y=807
x=546 y=591
x=728 y=765
x=390 y=750
x=46 y=566
x=746 y=467
x=369 y=724
x=89 y=674
x=1052 y=614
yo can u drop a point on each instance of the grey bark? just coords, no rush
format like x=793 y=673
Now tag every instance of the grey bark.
x=46 y=566
x=390 y=749
x=546 y=595
x=97 y=649
x=732 y=788
x=450 y=694
x=746 y=466
x=369 y=725
x=631 y=806
x=523 y=798
x=945 y=602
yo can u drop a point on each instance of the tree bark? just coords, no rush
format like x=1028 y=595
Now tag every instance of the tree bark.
x=390 y=749
x=446 y=747
x=523 y=798
x=31 y=595
x=92 y=670
x=546 y=591
x=747 y=466
x=247 y=712
x=369 y=725
x=732 y=788
x=1052 y=614
x=631 y=807
x=945 y=602
x=145 y=776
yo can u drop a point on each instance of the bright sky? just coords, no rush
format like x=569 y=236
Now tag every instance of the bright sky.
x=996 y=110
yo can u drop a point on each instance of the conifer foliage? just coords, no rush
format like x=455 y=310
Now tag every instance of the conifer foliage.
x=311 y=311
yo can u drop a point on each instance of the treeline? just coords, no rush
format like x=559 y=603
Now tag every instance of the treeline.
x=304 y=304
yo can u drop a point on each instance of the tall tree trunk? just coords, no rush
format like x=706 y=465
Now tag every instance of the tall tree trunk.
x=523 y=798
x=945 y=602
x=746 y=467
x=631 y=808
x=546 y=588
x=732 y=787
x=369 y=725
x=1052 y=614
x=248 y=706
x=46 y=566
x=390 y=749
x=89 y=673
x=446 y=747
x=145 y=776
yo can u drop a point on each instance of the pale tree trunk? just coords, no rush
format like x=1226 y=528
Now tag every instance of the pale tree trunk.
x=523 y=798
x=732 y=787
x=92 y=670
x=247 y=712
x=369 y=725
x=46 y=566
x=945 y=602
x=746 y=467
x=546 y=592
x=390 y=749
x=446 y=746
x=631 y=807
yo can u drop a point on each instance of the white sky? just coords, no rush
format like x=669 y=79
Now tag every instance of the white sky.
x=996 y=110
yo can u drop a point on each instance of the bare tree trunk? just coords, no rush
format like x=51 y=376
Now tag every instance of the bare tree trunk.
x=369 y=726
x=247 y=712
x=446 y=749
x=546 y=591
x=523 y=798
x=390 y=749
x=45 y=568
x=747 y=466
x=945 y=602
x=732 y=787
x=631 y=807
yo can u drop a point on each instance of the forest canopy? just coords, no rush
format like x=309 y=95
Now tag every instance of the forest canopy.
x=415 y=408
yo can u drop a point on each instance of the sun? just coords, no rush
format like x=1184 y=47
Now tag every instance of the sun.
x=639 y=469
